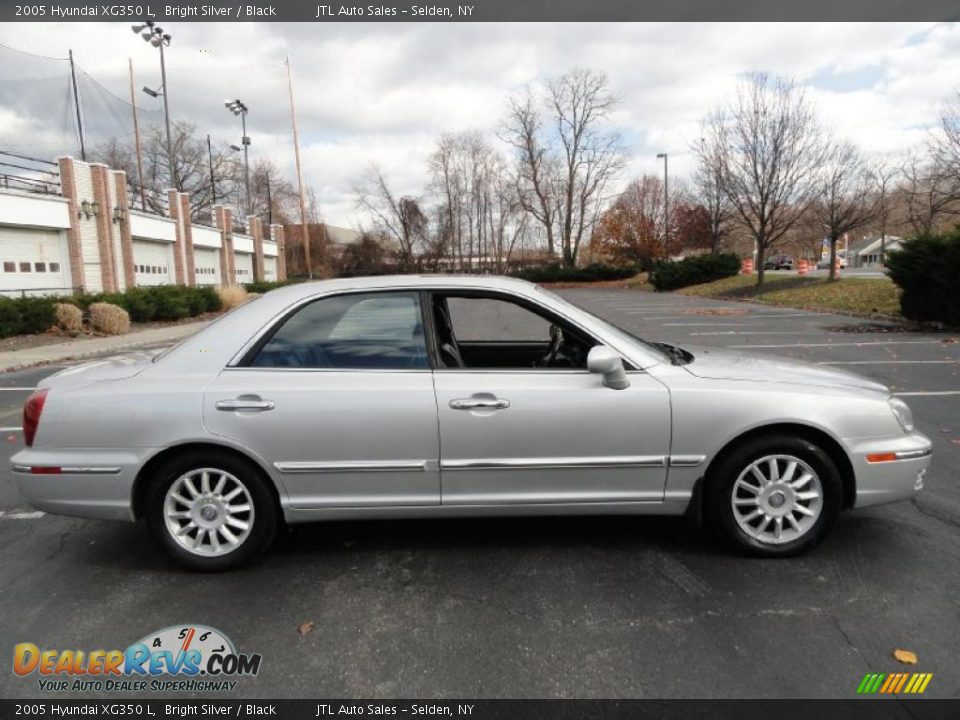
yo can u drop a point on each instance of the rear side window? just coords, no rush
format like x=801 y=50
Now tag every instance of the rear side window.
x=364 y=331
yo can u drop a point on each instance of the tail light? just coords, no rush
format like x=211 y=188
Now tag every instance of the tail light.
x=31 y=414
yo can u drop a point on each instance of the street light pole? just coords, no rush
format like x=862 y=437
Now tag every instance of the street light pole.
x=666 y=205
x=237 y=107
x=154 y=34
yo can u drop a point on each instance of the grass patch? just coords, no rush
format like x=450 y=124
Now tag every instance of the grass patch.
x=860 y=296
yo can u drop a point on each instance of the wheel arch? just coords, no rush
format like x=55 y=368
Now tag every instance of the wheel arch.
x=829 y=444
x=142 y=481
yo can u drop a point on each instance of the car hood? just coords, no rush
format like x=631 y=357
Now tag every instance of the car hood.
x=112 y=368
x=719 y=364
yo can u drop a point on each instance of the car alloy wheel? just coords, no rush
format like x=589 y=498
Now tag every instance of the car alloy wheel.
x=777 y=499
x=208 y=512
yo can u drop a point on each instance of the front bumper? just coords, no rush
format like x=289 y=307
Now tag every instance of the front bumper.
x=83 y=483
x=889 y=480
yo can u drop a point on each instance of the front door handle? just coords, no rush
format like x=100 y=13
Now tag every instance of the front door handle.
x=476 y=403
x=244 y=404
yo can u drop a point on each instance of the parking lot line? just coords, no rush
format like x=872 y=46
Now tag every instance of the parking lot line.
x=10 y=429
x=759 y=332
x=852 y=344
x=889 y=362
x=17 y=389
x=737 y=316
x=921 y=393
x=21 y=514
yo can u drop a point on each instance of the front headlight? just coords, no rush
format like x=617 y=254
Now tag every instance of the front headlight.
x=902 y=412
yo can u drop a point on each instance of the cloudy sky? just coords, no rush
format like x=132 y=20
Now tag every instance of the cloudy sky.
x=381 y=94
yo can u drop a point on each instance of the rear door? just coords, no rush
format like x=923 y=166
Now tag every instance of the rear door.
x=339 y=400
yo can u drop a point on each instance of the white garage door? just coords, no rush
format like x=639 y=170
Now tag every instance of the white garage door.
x=35 y=261
x=244 y=267
x=270 y=268
x=153 y=262
x=207 y=264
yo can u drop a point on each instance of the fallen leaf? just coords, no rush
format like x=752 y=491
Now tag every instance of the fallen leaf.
x=946 y=431
x=307 y=627
x=905 y=656
x=955 y=441
x=11 y=438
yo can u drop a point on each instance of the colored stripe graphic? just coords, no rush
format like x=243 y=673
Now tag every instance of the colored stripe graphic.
x=894 y=683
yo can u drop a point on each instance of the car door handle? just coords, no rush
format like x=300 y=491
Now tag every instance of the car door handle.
x=479 y=404
x=258 y=405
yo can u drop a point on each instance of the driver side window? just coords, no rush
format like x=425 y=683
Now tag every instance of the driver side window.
x=495 y=333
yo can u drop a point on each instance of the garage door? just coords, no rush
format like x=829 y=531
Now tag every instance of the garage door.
x=153 y=262
x=244 y=268
x=207 y=264
x=35 y=261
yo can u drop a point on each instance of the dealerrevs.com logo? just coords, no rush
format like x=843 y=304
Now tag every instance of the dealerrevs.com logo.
x=185 y=658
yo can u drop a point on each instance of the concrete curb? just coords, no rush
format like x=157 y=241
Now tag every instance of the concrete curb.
x=79 y=349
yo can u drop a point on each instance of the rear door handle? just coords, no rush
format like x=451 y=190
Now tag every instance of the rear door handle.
x=479 y=404
x=238 y=404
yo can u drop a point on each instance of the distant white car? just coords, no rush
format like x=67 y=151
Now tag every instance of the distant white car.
x=824 y=263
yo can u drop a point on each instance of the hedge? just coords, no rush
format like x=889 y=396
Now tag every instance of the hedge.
x=926 y=270
x=160 y=302
x=694 y=270
x=595 y=272
x=26 y=316
x=262 y=286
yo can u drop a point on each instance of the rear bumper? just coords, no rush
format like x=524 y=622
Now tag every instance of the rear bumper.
x=891 y=480
x=90 y=483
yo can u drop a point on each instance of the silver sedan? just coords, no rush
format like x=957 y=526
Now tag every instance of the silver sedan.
x=449 y=396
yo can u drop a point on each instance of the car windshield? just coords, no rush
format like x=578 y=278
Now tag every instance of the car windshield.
x=615 y=330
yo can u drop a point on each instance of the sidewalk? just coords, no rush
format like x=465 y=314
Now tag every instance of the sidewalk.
x=76 y=349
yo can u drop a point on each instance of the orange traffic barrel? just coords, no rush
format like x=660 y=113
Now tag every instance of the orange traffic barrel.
x=802 y=267
x=746 y=267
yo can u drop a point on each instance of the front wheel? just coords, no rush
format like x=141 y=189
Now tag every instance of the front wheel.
x=774 y=496
x=211 y=511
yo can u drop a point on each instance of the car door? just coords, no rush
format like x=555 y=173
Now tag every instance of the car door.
x=338 y=399
x=518 y=434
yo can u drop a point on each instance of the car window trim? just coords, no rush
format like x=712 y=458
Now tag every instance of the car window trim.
x=526 y=303
x=247 y=357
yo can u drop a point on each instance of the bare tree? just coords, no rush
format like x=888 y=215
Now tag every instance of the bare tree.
x=565 y=161
x=770 y=146
x=399 y=217
x=884 y=175
x=708 y=189
x=928 y=198
x=845 y=201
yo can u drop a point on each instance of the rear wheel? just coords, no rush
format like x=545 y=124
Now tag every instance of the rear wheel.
x=211 y=510
x=774 y=495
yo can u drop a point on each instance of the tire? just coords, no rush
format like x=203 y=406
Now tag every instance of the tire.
x=216 y=511
x=731 y=503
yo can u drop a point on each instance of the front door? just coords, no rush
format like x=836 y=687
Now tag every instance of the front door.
x=339 y=400
x=523 y=422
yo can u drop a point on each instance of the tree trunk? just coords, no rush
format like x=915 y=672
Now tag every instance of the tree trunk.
x=833 y=258
x=761 y=252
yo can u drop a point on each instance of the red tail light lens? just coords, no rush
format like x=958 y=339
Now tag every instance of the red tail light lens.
x=31 y=415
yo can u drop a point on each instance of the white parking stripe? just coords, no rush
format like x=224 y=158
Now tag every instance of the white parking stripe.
x=735 y=315
x=10 y=429
x=924 y=392
x=20 y=515
x=889 y=362
x=759 y=332
x=17 y=389
x=831 y=345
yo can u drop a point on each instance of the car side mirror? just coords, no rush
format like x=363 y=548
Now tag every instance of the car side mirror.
x=604 y=361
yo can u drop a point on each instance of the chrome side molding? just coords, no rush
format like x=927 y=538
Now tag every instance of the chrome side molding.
x=346 y=467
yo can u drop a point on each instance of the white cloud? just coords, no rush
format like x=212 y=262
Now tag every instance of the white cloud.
x=380 y=94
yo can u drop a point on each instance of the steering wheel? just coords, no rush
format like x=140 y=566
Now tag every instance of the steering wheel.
x=553 y=352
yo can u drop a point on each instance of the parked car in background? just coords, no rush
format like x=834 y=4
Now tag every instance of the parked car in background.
x=824 y=263
x=779 y=262
x=435 y=396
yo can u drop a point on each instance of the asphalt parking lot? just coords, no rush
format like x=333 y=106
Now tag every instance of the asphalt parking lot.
x=548 y=607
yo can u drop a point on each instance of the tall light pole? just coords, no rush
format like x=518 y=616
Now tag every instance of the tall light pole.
x=238 y=108
x=154 y=34
x=666 y=205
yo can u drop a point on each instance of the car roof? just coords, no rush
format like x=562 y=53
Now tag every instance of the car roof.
x=375 y=282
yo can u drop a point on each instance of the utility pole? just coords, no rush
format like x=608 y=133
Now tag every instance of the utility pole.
x=137 y=142
x=213 y=181
x=296 y=150
x=76 y=104
x=666 y=206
